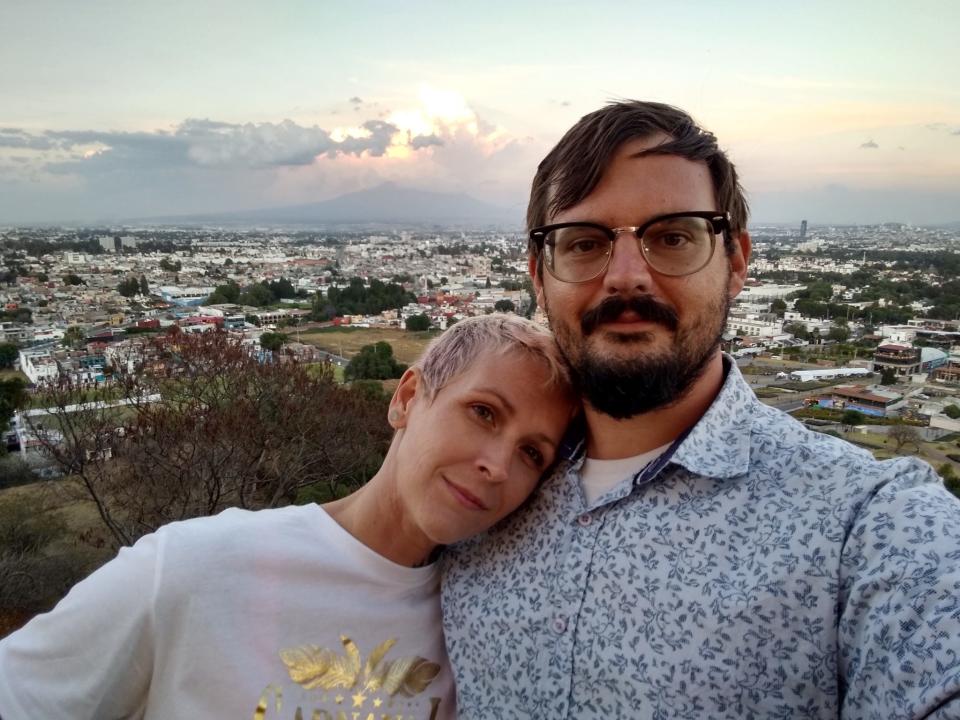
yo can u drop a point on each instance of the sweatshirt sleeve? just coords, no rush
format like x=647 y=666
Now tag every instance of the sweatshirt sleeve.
x=91 y=657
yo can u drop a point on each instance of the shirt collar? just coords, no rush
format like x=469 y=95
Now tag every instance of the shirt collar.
x=717 y=446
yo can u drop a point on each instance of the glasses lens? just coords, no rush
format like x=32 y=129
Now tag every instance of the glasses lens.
x=576 y=253
x=678 y=246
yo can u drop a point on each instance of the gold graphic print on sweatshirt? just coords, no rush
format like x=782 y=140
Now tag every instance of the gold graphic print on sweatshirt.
x=347 y=688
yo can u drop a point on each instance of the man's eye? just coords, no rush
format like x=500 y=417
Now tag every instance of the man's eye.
x=673 y=240
x=584 y=246
x=670 y=241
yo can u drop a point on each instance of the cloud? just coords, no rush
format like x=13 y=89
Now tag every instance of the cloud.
x=869 y=145
x=356 y=100
x=376 y=142
x=208 y=143
x=422 y=141
x=17 y=138
x=208 y=165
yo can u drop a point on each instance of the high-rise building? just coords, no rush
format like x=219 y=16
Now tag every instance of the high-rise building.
x=803 y=229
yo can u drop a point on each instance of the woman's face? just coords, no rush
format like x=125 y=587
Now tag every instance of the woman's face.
x=470 y=456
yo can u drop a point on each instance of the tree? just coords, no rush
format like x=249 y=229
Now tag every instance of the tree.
x=224 y=294
x=72 y=279
x=952 y=411
x=888 y=376
x=418 y=322
x=504 y=306
x=128 y=287
x=258 y=295
x=273 y=341
x=852 y=418
x=798 y=330
x=840 y=334
x=374 y=362
x=950 y=479
x=8 y=354
x=206 y=426
x=170 y=266
x=904 y=435
x=144 y=286
x=12 y=397
x=778 y=306
x=282 y=288
x=75 y=337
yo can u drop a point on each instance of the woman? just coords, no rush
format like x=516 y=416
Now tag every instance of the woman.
x=311 y=612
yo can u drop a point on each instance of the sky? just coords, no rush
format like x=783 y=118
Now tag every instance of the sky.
x=834 y=112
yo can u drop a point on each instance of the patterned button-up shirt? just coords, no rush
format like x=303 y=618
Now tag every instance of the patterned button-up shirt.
x=758 y=569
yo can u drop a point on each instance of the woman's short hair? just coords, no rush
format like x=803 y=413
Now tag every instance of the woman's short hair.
x=498 y=334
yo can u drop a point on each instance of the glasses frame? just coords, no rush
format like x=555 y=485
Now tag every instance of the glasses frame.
x=719 y=221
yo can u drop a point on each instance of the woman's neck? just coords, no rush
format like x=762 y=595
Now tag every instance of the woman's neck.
x=375 y=516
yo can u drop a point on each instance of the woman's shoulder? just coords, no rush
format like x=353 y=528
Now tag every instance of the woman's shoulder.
x=234 y=535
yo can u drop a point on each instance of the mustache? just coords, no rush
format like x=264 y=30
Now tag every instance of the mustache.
x=644 y=306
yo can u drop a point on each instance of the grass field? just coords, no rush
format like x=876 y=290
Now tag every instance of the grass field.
x=407 y=346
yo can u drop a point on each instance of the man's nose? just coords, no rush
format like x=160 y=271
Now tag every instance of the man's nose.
x=628 y=270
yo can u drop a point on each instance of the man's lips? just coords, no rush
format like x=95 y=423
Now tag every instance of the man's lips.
x=465 y=497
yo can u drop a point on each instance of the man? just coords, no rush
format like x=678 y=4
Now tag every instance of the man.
x=696 y=554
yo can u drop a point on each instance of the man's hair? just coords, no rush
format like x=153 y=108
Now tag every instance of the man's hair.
x=497 y=334
x=571 y=171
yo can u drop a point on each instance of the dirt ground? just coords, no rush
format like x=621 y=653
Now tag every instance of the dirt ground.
x=407 y=346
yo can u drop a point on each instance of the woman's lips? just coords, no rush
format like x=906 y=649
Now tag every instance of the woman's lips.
x=465 y=497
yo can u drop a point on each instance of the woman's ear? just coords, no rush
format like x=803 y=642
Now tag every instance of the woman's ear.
x=403 y=398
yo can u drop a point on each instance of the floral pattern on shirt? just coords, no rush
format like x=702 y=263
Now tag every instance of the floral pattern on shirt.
x=760 y=570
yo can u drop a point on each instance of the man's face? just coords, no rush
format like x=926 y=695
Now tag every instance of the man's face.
x=638 y=340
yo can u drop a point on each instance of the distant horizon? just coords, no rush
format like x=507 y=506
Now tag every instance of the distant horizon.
x=833 y=113
x=223 y=217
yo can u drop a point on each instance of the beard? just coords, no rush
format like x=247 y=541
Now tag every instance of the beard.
x=652 y=378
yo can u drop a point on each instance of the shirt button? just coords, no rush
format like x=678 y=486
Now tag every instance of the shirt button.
x=585 y=519
x=559 y=624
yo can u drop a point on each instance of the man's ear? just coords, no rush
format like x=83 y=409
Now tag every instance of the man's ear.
x=403 y=398
x=739 y=260
x=532 y=266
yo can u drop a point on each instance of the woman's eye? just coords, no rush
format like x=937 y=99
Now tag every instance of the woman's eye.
x=482 y=412
x=535 y=455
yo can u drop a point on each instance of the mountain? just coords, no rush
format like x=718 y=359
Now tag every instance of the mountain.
x=386 y=203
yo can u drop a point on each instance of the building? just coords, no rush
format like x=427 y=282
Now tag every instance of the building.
x=39 y=366
x=901 y=359
x=950 y=370
x=829 y=373
x=761 y=325
x=868 y=400
x=193 y=296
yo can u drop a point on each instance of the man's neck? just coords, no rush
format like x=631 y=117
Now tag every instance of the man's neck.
x=609 y=438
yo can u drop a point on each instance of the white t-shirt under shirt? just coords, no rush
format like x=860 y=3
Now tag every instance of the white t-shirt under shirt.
x=598 y=477
x=243 y=615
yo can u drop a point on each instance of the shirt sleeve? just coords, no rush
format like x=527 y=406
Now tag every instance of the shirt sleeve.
x=900 y=601
x=91 y=657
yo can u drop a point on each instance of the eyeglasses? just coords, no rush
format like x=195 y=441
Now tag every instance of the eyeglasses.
x=676 y=244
